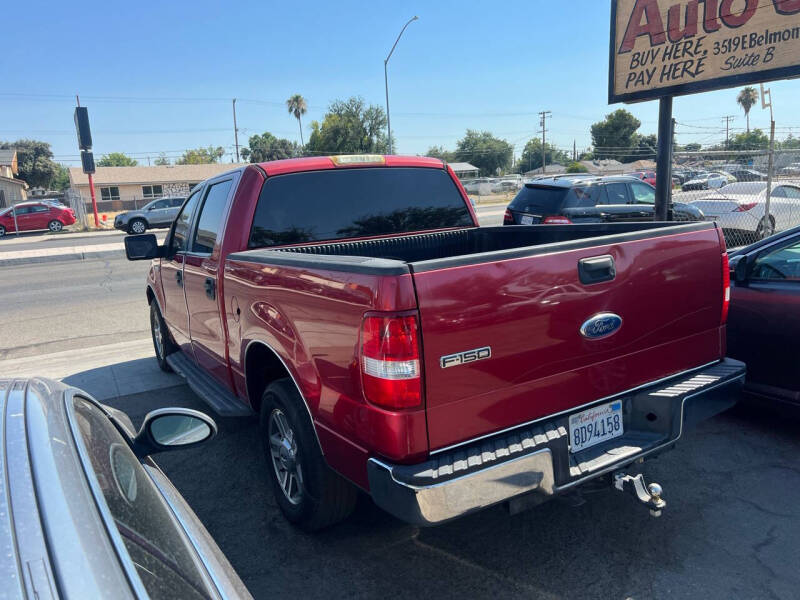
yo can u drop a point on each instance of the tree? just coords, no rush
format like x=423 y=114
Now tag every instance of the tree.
x=266 y=147
x=162 y=160
x=614 y=135
x=576 y=167
x=754 y=140
x=297 y=106
x=116 y=159
x=201 y=156
x=531 y=157
x=440 y=153
x=349 y=127
x=790 y=143
x=35 y=162
x=645 y=147
x=485 y=151
x=747 y=99
x=61 y=180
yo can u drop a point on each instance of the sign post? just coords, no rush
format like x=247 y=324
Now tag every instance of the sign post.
x=665 y=48
x=85 y=145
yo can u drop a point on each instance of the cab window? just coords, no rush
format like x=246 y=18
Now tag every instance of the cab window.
x=643 y=194
x=782 y=264
x=210 y=221
x=617 y=193
x=183 y=221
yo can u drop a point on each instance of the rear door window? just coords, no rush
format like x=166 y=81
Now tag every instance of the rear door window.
x=210 y=220
x=617 y=193
x=583 y=197
x=356 y=202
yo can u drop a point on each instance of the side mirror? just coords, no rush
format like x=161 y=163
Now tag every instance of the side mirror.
x=738 y=267
x=172 y=429
x=143 y=247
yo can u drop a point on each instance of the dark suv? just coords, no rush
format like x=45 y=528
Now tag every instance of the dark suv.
x=589 y=200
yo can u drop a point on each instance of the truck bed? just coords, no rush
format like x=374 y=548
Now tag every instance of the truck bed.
x=443 y=249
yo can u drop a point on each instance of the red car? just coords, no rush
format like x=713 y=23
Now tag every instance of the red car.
x=31 y=216
x=390 y=344
x=646 y=176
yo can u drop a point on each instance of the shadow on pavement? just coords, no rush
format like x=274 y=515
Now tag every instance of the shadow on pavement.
x=123 y=379
x=729 y=530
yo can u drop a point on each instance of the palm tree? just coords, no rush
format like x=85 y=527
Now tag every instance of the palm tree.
x=747 y=99
x=297 y=106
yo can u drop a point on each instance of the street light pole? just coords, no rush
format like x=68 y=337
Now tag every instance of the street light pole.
x=386 y=78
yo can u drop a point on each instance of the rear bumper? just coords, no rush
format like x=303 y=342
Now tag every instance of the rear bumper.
x=535 y=459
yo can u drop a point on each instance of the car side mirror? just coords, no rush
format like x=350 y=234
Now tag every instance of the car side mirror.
x=172 y=429
x=143 y=247
x=738 y=267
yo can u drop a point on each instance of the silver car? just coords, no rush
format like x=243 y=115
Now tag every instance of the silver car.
x=84 y=511
x=155 y=214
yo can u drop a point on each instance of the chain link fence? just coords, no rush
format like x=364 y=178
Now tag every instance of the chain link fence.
x=737 y=191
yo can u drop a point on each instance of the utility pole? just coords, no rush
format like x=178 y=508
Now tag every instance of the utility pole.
x=386 y=79
x=543 y=122
x=235 y=131
x=766 y=227
x=574 y=151
x=727 y=120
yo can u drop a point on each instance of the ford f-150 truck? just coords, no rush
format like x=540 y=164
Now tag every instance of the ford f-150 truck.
x=389 y=344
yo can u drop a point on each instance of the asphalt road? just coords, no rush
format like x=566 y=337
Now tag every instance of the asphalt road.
x=730 y=529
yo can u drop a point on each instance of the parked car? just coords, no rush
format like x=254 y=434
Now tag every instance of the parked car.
x=740 y=208
x=646 y=176
x=153 y=215
x=392 y=345
x=32 y=216
x=748 y=175
x=764 y=321
x=709 y=181
x=506 y=185
x=792 y=169
x=87 y=513
x=589 y=200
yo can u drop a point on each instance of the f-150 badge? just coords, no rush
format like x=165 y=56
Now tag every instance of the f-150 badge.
x=601 y=326
x=462 y=358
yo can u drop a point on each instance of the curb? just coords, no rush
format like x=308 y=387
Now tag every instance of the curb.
x=67 y=256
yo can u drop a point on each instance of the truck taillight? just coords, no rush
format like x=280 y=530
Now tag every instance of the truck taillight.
x=508 y=218
x=556 y=221
x=726 y=289
x=390 y=363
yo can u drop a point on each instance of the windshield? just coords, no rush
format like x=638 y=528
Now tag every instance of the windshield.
x=360 y=202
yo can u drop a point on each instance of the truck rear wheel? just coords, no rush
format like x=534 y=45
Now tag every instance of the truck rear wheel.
x=309 y=493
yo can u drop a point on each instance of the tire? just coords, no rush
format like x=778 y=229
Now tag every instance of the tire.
x=162 y=343
x=137 y=226
x=2 y=231
x=55 y=226
x=317 y=497
x=764 y=229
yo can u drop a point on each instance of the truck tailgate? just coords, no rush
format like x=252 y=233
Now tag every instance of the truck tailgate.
x=530 y=309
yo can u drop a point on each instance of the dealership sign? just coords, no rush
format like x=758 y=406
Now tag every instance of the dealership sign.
x=672 y=47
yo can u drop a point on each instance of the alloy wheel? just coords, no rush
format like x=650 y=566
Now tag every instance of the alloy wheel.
x=55 y=226
x=158 y=334
x=137 y=227
x=285 y=456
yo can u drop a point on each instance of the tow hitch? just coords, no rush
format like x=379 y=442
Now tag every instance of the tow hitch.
x=649 y=495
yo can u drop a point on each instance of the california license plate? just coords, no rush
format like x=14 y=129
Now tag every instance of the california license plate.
x=527 y=220
x=596 y=425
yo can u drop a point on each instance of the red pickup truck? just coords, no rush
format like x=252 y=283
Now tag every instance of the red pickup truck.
x=389 y=344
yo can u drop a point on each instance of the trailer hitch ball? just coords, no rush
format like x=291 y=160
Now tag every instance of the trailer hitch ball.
x=649 y=495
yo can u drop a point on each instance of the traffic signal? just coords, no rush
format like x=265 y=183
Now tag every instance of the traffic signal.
x=87 y=161
x=82 y=127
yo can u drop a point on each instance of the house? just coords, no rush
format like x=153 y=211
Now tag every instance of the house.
x=11 y=190
x=554 y=169
x=464 y=170
x=127 y=188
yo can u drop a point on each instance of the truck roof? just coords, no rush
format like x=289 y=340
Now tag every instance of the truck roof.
x=319 y=163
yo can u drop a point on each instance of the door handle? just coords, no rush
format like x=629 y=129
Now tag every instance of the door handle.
x=211 y=288
x=597 y=269
x=179 y=277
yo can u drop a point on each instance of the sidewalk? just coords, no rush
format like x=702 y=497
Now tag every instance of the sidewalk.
x=43 y=255
x=106 y=372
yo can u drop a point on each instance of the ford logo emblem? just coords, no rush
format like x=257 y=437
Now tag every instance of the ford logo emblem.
x=601 y=326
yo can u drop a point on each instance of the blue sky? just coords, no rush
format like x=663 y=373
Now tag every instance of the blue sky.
x=159 y=76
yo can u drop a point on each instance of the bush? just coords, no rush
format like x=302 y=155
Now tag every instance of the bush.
x=577 y=167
